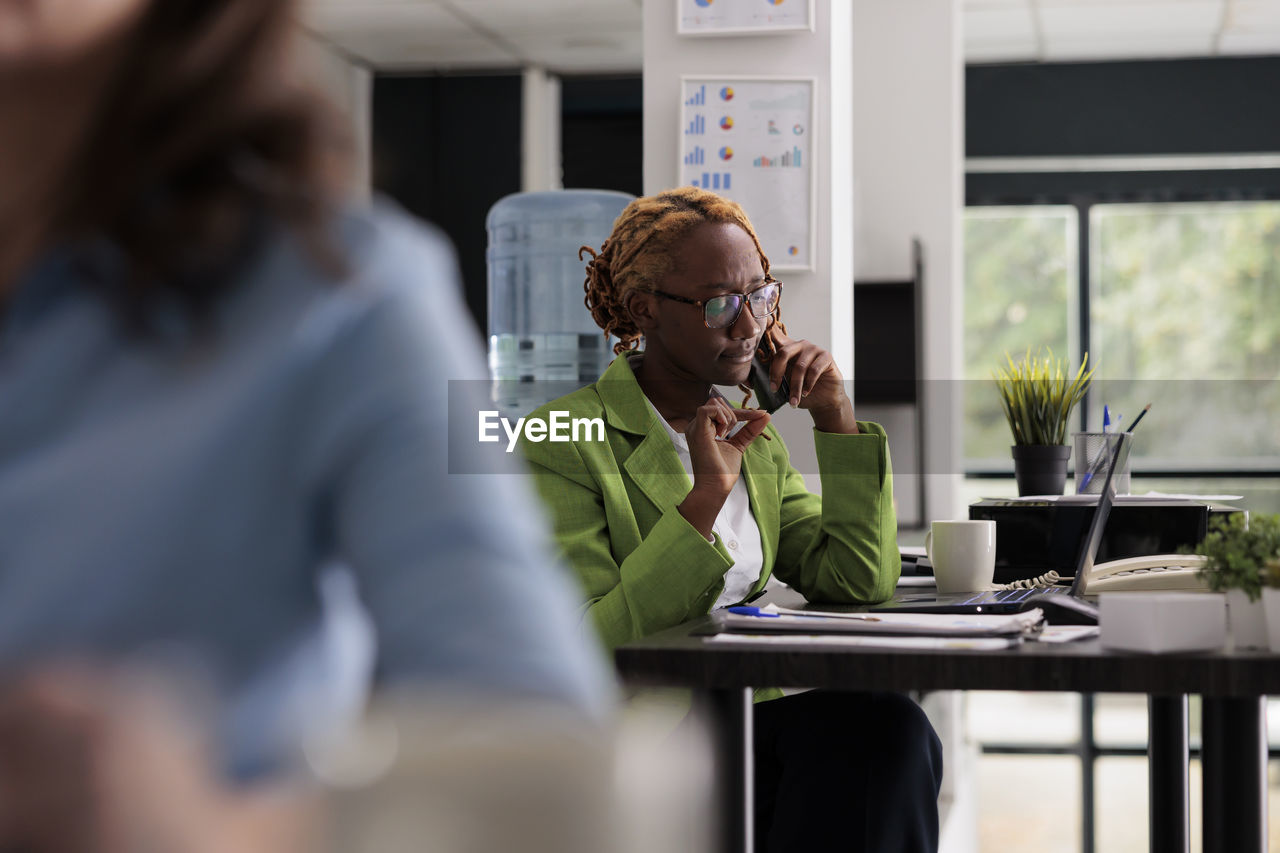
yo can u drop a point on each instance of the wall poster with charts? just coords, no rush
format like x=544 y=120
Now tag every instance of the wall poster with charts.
x=750 y=139
x=742 y=17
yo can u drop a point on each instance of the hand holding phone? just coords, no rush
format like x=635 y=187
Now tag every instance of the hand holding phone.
x=766 y=397
x=807 y=377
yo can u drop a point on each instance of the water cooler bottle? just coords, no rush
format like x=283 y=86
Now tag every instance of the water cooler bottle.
x=542 y=340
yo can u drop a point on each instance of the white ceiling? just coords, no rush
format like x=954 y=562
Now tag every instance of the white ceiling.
x=1064 y=30
x=560 y=35
x=578 y=36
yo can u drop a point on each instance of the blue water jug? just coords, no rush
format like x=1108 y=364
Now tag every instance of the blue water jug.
x=542 y=340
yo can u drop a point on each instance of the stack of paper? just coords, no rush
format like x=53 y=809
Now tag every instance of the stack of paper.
x=895 y=641
x=772 y=618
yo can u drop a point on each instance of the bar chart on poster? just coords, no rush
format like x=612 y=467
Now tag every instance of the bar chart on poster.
x=749 y=139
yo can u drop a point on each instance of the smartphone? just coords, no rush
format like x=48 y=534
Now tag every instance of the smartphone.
x=766 y=398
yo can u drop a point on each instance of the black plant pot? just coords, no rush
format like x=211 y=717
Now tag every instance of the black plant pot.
x=1041 y=469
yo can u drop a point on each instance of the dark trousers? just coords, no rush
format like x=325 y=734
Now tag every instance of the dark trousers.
x=846 y=771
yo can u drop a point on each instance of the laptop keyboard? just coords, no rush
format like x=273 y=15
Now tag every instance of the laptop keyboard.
x=1009 y=596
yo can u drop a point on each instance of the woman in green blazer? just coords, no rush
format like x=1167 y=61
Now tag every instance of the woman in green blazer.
x=686 y=503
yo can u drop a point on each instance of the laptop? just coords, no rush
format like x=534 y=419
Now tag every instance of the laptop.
x=1061 y=603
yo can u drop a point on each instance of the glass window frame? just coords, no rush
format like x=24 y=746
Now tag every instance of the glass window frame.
x=1085 y=267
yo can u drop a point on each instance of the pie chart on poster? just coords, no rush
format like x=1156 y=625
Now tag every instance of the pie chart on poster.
x=726 y=122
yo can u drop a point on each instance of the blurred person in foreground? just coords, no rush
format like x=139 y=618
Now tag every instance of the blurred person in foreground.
x=108 y=761
x=217 y=379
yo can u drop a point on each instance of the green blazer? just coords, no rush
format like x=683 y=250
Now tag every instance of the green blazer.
x=645 y=568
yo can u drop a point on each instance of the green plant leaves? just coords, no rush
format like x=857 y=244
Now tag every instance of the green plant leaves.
x=1242 y=553
x=1037 y=398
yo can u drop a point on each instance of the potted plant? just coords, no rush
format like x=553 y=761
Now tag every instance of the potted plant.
x=1242 y=558
x=1037 y=399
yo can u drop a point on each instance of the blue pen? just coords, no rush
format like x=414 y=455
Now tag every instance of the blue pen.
x=1106 y=428
x=748 y=610
x=1102 y=454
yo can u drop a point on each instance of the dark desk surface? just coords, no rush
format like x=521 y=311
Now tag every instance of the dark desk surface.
x=678 y=657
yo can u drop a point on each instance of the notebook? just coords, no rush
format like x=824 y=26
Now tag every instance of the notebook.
x=1062 y=604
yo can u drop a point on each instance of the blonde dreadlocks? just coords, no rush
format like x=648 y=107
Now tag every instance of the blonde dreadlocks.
x=638 y=255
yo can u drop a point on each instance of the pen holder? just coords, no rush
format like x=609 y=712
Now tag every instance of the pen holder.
x=1094 y=451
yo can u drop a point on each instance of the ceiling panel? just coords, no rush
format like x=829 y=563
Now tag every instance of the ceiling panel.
x=404 y=52
x=985 y=25
x=384 y=17
x=1154 y=5
x=566 y=13
x=1250 y=43
x=605 y=35
x=1065 y=49
x=602 y=36
x=587 y=54
x=1128 y=19
x=986 y=52
x=1253 y=14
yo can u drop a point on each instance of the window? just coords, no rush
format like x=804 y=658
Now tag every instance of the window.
x=1184 y=311
x=1177 y=304
x=1020 y=283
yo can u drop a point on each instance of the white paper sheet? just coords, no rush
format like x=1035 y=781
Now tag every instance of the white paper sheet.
x=863 y=641
x=920 y=624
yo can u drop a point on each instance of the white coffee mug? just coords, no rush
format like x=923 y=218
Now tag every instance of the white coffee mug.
x=963 y=554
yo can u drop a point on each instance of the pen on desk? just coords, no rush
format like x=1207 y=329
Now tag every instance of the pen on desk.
x=747 y=610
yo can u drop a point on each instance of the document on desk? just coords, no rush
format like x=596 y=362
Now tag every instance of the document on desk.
x=771 y=618
x=1066 y=633
x=864 y=641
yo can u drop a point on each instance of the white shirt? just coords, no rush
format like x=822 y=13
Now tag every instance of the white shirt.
x=735 y=525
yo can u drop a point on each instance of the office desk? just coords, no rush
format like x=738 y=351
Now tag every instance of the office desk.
x=1233 y=687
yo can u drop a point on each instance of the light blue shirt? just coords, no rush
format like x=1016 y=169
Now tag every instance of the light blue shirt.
x=181 y=496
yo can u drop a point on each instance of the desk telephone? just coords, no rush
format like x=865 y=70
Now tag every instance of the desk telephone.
x=1155 y=572
x=1134 y=574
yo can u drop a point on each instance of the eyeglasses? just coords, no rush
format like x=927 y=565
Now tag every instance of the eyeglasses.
x=721 y=312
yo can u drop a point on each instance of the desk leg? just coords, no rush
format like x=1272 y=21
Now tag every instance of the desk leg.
x=729 y=713
x=1167 y=765
x=1234 y=762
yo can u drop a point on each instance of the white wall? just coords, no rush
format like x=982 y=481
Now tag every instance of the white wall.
x=818 y=304
x=908 y=181
x=349 y=85
x=908 y=165
x=540 y=132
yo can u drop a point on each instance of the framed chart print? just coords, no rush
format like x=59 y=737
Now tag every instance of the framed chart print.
x=742 y=17
x=750 y=139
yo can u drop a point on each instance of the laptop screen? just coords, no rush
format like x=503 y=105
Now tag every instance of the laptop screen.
x=1118 y=447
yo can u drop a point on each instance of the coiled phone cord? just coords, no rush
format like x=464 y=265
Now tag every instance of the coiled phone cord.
x=1049 y=578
